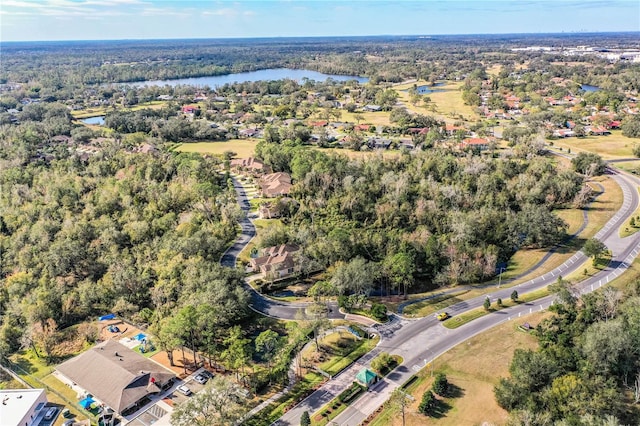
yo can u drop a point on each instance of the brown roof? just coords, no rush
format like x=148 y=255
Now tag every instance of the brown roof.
x=249 y=163
x=115 y=374
x=275 y=184
x=275 y=258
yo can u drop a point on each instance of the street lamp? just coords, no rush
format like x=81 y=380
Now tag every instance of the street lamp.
x=500 y=276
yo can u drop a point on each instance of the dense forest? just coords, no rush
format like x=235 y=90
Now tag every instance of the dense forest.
x=119 y=232
x=449 y=220
x=586 y=368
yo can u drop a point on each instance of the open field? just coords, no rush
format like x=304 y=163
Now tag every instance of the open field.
x=242 y=147
x=473 y=367
x=448 y=102
x=610 y=147
x=97 y=111
x=360 y=154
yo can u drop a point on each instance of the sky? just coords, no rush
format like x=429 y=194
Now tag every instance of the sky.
x=31 y=20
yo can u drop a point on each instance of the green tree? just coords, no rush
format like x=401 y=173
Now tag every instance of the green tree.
x=305 y=420
x=218 y=404
x=486 y=304
x=514 y=295
x=594 y=248
x=441 y=385
x=267 y=344
x=589 y=164
x=428 y=404
x=238 y=351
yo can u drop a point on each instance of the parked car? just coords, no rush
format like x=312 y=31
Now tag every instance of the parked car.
x=184 y=390
x=50 y=413
x=442 y=316
x=201 y=378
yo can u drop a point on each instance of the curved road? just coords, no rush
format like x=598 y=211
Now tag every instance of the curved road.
x=420 y=342
x=264 y=305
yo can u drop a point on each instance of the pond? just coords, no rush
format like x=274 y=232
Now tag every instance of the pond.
x=244 y=77
x=589 y=88
x=99 y=120
x=423 y=90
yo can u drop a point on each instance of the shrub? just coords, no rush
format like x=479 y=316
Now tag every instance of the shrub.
x=381 y=362
x=305 y=420
x=514 y=295
x=486 y=304
x=428 y=403
x=378 y=311
x=441 y=385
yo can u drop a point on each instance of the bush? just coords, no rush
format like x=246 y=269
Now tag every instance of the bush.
x=305 y=420
x=486 y=304
x=441 y=385
x=381 y=362
x=514 y=295
x=428 y=404
x=379 y=311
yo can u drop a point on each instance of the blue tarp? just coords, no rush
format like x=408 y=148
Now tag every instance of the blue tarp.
x=107 y=317
x=86 y=403
x=140 y=337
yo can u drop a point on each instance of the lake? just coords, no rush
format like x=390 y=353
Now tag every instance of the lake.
x=244 y=77
x=99 y=120
x=589 y=88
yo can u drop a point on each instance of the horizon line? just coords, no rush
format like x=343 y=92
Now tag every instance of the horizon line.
x=565 y=33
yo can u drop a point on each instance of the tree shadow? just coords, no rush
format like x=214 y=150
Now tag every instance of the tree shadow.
x=441 y=409
x=454 y=391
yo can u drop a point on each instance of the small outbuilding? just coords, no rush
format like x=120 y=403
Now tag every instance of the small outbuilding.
x=367 y=378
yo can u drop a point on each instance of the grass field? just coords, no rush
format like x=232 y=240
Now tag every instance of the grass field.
x=611 y=147
x=97 y=111
x=242 y=147
x=448 y=102
x=473 y=367
x=627 y=229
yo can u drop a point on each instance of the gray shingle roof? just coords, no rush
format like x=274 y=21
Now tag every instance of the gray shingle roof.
x=115 y=374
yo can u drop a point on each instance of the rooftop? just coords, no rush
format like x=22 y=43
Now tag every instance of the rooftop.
x=16 y=403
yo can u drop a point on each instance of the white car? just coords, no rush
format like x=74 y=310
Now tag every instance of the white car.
x=201 y=378
x=184 y=390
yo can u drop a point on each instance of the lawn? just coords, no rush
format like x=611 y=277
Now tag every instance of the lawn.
x=241 y=147
x=448 y=102
x=97 y=111
x=473 y=367
x=610 y=147
x=360 y=154
x=627 y=228
x=337 y=351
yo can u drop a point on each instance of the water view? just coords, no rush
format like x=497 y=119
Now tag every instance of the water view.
x=424 y=90
x=243 y=77
x=589 y=88
x=99 y=120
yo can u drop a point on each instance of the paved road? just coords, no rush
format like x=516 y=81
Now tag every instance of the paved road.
x=260 y=303
x=422 y=341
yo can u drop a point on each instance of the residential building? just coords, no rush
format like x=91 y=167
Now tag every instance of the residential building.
x=277 y=260
x=475 y=143
x=116 y=376
x=250 y=164
x=275 y=184
x=20 y=407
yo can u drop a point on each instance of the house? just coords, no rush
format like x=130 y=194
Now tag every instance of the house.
x=562 y=133
x=249 y=133
x=418 y=130
x=250 y=164
x=115 y=375
x=367 y=378
x=321 y=123
x=362 y=127
x=190 y=109
x=379 y=143
x=22 y=407
x=475 y=143
x=597 y=130
x=451 y=130
x=372 y=108
x=275 y=184
x=278 y=261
